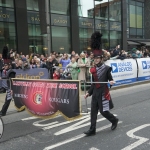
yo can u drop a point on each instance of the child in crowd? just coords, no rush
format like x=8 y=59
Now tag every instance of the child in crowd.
x=56 y=75
x=62 y=77
x=65 y=75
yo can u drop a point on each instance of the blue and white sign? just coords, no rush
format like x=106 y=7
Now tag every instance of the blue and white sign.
x=144 y=64
x=123 y=71
x=114 y=67
x=144 y=69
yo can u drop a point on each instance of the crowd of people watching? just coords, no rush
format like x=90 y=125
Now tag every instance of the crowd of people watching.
x=64 y=66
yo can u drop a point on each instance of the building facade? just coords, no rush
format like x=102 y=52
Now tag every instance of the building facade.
x=42 y=26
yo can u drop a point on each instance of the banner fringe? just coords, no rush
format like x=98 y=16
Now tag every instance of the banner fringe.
x=54 y=115
x=20 y=109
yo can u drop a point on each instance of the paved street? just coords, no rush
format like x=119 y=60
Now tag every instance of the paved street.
x=132 y=106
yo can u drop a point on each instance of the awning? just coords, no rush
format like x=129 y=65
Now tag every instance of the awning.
x=146 y=43
x=133 y=43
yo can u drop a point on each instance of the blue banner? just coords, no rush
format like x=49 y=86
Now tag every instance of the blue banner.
x=40 y=73
x=123 y=71
x=143 y=69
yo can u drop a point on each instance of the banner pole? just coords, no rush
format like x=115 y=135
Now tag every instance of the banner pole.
x=10 y=83
x=85 y=98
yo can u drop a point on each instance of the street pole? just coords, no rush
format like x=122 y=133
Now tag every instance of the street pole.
x=47 y=6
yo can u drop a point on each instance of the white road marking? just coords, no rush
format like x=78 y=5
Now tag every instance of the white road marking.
x=84 y=113
x=63 y=123
x=29 y=118
x=93 y=148
x=68 y=122
x=75 y=138
x=140 y=141
x=43 y=125
x=76 y=126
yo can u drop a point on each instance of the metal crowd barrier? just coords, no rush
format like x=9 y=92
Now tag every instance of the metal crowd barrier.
x=88 y=76
x=86 y=92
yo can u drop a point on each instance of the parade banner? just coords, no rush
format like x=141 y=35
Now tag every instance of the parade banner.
x=48 y=98
x=37 y=73
x=123 y=71
x=144 y=69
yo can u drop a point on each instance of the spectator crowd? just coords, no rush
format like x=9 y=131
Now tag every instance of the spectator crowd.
x=64 y=66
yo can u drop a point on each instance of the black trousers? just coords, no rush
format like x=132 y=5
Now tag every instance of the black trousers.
x=5 y=106
x=94 y=112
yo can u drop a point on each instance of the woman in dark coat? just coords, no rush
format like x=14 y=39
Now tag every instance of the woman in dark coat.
x=101 y=99
x=49 y=66
x=6 y=55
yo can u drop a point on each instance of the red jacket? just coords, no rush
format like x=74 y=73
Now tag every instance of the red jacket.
x=56 y=76
x=94 y=74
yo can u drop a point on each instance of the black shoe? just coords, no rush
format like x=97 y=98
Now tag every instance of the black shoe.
x=114 y=125
x=2 y=114
x=90 y=132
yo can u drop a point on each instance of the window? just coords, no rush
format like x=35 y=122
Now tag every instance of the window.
x=136 y=19
x=84 y=35
x=7 y=25
x=33 y=17
x=37 y=42
x=59 y=7
x=115 y=38
x=7 y=35
x=139 y=32
x=115 y=10
x=32 y=5
x=86 y=9
x=7 y=3
x=61 y=39
x=132 y=2
x=101 y=10
x=139 y=4
x=139 y=19
x=132 y=16
x=7 y=14
x=34 y=30
x=132 y=31
x=105 y=16
x=105 y=39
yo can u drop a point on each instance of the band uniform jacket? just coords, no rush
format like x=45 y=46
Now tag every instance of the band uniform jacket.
x=100 y=91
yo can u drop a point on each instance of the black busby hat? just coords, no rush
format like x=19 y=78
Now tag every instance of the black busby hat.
x=96 y=44
x=96 y=40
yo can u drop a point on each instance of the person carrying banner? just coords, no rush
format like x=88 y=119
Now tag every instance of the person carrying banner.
x=101 y=99
x=9 y=74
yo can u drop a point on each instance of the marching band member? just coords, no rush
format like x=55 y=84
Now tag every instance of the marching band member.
x=101 y=99
x=9 y=73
